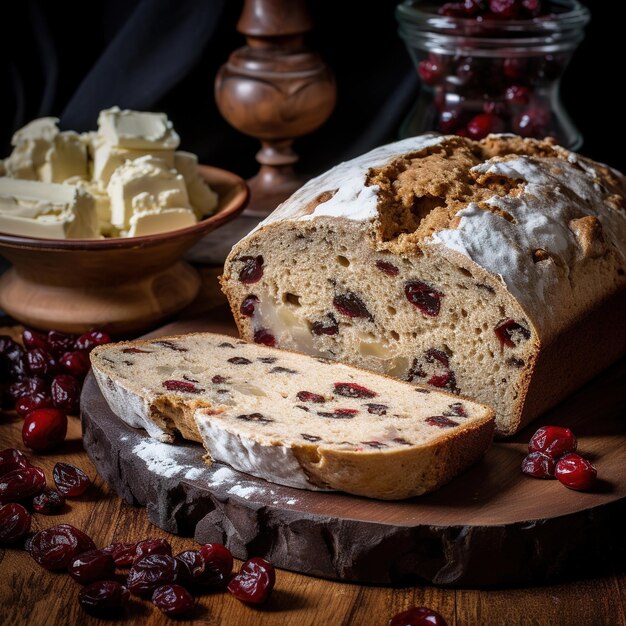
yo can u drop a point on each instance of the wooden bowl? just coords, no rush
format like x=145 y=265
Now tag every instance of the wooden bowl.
x=123 y=285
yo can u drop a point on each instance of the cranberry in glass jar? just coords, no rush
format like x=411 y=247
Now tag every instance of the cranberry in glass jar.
x=492 y=66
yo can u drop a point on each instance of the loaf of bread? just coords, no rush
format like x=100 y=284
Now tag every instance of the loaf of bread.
x=291 y=419
x=494 y=269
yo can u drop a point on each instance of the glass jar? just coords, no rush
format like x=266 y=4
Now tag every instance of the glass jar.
x=480 y=74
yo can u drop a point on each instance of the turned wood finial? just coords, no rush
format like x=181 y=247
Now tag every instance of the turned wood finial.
x=274 y=89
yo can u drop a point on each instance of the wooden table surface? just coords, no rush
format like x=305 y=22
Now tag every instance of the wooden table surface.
x=34 y=596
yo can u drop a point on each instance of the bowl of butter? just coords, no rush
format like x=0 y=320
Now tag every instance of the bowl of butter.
x=96 y=224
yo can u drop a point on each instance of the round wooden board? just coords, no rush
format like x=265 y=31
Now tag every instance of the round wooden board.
x=491 y=525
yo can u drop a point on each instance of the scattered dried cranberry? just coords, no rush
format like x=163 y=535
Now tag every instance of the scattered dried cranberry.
x=33 y=386
x=254 y=582
x=75 y=363
x=14 y=523
x=539 y=465
x=40 y=362
x=44 y=429
x=352 y=390
x=531 y=122
x=58 y=342
x=152 y=572
x=219 y=556
x=192 y=564
x=387 y=268
x=418 y=616
x=34 y=339
x=351 y=305
x=28 y=404
x=377 y=409
x=90 y=340
x=123 y=553
x=430 y=71
x=263 y=336
x=554 y=441
x=517 y=94
x=309 y=396
x=483 y=124
x=91 y=566
x=152 y=546
x=575 y=472
x=103 y=596
x=331 y=327
x=22 y=483
x=65 y=391
x=172 y=600
x=510 y=333
x=12 y=459
x=252 y=271
x=55 y=547
x=70 y=480
x=15 y=357
x=48 y=502
x=441 y=421
x=339 y=414
x=247 y=306
x=181 y=385
x=424 y=297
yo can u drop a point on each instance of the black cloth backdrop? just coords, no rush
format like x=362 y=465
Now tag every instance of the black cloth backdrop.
x=71 y=59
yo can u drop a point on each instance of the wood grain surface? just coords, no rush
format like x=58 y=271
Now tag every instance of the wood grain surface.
x=31 y=595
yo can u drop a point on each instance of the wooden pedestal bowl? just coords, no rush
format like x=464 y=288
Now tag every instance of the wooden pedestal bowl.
x=123 y=285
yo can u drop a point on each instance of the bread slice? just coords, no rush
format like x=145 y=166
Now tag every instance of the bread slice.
x=481 y=268
x=292 y=419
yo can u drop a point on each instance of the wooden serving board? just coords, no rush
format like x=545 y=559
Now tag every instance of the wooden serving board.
x=492 y=525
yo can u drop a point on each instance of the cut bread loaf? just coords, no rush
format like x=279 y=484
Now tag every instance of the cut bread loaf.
x=495 y=269
x=292 y=419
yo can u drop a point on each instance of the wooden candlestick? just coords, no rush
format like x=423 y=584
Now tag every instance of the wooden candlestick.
x=274 y=89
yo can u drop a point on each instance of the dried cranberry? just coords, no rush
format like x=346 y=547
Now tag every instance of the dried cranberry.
x=152 y=546
x=263 y=336
x=517 y=94
x=34 y=339
x=252 y=271
x=483 y=124
x=22 y=483
x=15 y=356
x=55 y=547
x=70 y=480
x=449 y=119
x=554 y=441
x=28 y=404
x=152 y=572
x=507 y=9
x=218 y=380
x=181 y=385
x=510 y=333
x=515 y=68
x=430 y=71
x=196 y=571
x=172 y=600
x=14 y=523
x=424 y=297
x=377 y=409
x=44 y=429
x=123 y=553
x=351 y=305
x=575 y=472
x=441 y=421
x=75 y=363
x=40 y=362
x=90 y=340
x=331 y=327
x=447 y=380
x=254 y=582
x=339 y=414
x=418 y=616
x=32 y=386
x=219 y=556
x=352 y=390
x=48 y=502
x=239 y=360
x=456 y=408
x=58 y=342
x=90 y=566
x=254 y=417
x=532 y=122
x=387 y=268
x=12 y=459
x=539 y=465
x=309 y=396
x=103 y=596
x=65 y=391
x=247 y=306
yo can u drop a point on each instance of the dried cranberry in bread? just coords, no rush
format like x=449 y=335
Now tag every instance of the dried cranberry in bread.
x=494 y=269
x=294 y=419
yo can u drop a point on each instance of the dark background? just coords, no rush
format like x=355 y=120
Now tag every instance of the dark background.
x=71 y=59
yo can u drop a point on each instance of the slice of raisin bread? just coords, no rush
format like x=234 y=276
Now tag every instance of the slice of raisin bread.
x=495 y=269
x=292 y=419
